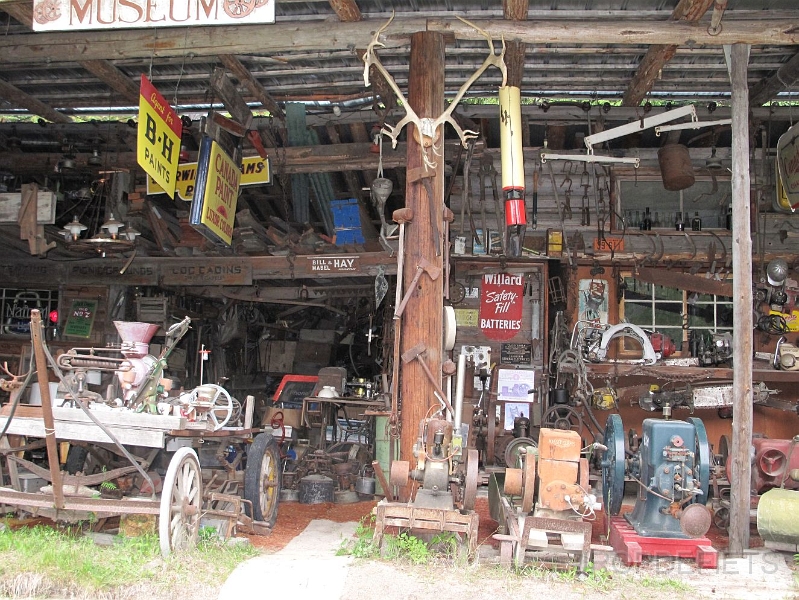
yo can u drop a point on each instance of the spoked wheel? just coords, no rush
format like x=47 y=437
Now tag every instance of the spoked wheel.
x=181 y=503
x=565 y=417
x=221 y=405
x=262 y=478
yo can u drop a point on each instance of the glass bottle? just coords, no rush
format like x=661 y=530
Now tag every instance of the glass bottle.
x=679 y=224
x=729 y=218
x=696 y=222
x=646 y=222
x=637 y=222
x=656 y=222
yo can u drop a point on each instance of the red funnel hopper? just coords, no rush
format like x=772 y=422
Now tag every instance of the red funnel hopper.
x=135 y=336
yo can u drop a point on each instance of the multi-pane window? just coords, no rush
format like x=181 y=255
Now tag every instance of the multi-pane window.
x=674 y=312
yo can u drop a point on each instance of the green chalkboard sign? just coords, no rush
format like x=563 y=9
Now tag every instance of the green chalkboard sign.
x=81 y=318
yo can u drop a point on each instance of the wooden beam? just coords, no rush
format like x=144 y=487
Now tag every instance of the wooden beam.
x=235 y=66
x=21 y=11
x=346 y=10
x=221 y=85
x=741 y=465
x=659 y=55
x=292 y=160
x=783 y=79
x=114 y=78
x=102 y=69
x=421 y=323
x=515 y=10
x=316 y=35
x=18 y=98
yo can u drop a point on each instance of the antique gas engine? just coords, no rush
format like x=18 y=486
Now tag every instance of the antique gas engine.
x=446 y=469
x=672 y=470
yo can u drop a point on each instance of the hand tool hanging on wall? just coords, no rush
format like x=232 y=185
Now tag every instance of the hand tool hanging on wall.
x=466 y=201
x=560 y=216
x=487 y=171
x=534 y=219
x=424 y=265
x=510 y=119
x=449 y=217
x=416 y=353
x=585 y=209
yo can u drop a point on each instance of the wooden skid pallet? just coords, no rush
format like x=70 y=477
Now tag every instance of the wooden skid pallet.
x=405 y=516
x=543 y=534
x=632 y=547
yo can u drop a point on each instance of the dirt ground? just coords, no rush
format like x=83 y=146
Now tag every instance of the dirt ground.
x=760 y=575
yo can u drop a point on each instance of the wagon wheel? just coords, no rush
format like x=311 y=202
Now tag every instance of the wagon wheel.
x=238 y=9
x=262 y=478
x=470 y=487
x=181 y=503
x=221 y=406
x=563 y=417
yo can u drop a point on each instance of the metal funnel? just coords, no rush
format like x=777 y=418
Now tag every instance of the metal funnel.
x=135 y=337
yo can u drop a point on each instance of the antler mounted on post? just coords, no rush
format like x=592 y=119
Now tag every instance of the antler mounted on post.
x=428 y=128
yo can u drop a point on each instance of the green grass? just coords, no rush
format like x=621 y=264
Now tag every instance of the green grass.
x=42 y=562
x=664 y=584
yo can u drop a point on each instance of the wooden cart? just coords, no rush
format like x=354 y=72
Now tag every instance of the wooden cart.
x=230 y=476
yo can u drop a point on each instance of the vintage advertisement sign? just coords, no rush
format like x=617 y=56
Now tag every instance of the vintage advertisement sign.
x=158 y=140
x=788 y=165
x=218 y=271
x=501 y=305
x=213 y=208
x=516 y=354
x=334 y=264
x=254 y=171
x=61 y=15
x=81 y=318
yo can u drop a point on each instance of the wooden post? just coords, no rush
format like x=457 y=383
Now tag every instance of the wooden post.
x=47 y=407
x=422 y=318
x=742 y=304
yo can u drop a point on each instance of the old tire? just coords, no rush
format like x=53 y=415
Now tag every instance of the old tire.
x=262 y=478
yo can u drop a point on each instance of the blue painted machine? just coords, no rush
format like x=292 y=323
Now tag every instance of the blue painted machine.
x=672 y=470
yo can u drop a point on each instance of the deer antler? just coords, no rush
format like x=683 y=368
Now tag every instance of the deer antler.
x=16 y=380
x=428 y=127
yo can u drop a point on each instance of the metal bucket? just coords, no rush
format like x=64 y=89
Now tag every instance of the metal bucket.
x=316 y=489
x=365 y=486
x=675 y=167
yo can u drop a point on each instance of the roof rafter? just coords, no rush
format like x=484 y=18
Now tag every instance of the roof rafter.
x=206 y=41
x=658 y=55
x=785 y=77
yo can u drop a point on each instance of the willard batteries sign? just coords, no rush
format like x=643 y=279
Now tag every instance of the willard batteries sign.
x=501 y=306
x=60 y=15
x=213 y=209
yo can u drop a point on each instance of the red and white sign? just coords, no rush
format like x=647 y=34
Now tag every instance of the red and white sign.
x=69 y=15
x=501 y=305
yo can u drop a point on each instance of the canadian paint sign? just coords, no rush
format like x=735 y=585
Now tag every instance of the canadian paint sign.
x=213 y=209
x=61 y=15
x=501 y=305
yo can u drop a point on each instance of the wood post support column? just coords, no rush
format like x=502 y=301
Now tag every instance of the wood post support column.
x=422 y=318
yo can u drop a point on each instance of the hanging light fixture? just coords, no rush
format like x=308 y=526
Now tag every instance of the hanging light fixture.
x=111 y=237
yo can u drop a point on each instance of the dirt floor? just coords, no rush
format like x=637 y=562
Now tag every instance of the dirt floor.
x=760 y=575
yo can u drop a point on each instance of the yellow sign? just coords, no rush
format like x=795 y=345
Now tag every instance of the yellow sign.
x=254 y=171
x=213 y=209
x=158 y=142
